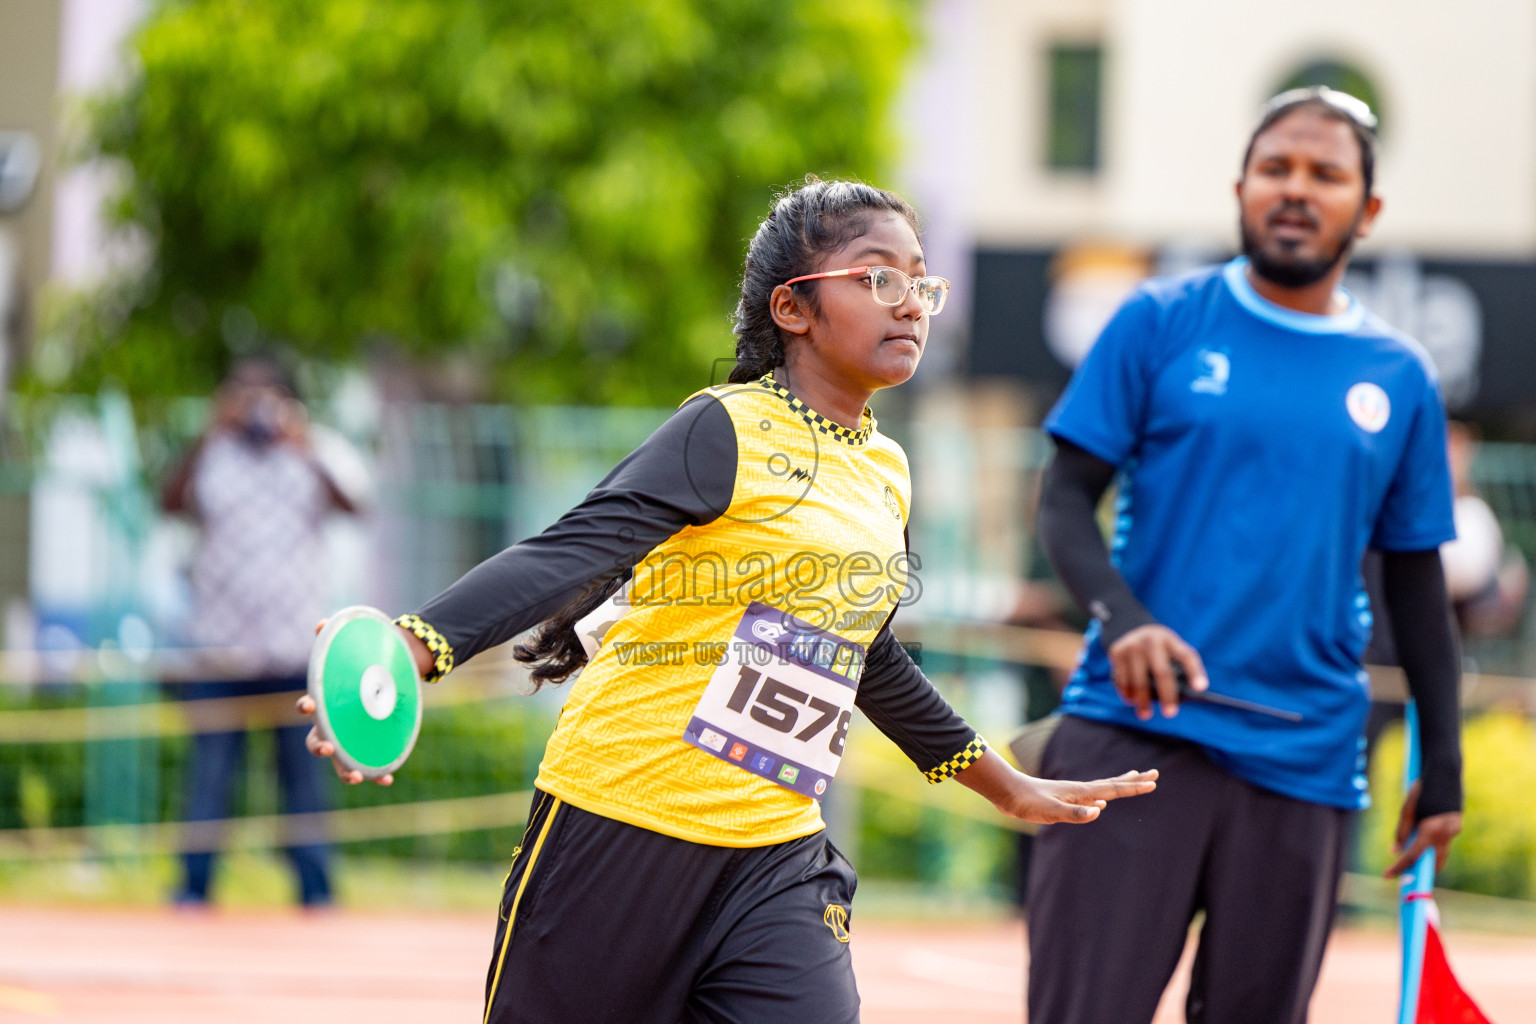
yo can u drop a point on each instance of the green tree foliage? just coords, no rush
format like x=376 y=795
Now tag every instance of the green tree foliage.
x=561 y=191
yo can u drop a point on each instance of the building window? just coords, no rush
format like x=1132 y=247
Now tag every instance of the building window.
x=1076 y=98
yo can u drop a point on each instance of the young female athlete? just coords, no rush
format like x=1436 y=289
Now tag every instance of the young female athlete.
x=675 y=866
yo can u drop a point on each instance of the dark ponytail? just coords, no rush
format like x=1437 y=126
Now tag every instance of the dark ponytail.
x=554 y=650
x=804 y=226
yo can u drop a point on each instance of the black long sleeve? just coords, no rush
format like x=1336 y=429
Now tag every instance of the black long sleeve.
x=1413 y=585
x=1069 y=498
x=899 y=699
x=682 y=475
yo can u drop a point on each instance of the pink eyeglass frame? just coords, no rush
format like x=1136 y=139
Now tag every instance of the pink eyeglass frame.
x=854 y=271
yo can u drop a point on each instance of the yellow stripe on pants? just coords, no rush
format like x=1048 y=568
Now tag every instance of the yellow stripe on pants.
x=522 y=883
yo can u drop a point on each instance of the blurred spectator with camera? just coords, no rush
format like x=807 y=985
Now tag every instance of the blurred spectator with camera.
x=259 y=494
x=1486 y=579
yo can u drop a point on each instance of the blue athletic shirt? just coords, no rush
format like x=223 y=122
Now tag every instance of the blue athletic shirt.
x=1260 y=451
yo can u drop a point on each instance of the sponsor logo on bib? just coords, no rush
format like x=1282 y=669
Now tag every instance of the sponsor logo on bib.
x=769 y=631
x=1368 y=406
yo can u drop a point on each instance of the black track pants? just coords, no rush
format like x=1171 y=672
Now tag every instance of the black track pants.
x=1110 y=903
x=606 y=923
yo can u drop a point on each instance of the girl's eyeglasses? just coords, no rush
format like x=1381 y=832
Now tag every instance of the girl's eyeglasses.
x=890 y=286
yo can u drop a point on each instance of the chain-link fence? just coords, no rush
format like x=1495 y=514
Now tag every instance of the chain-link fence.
x=94 y=749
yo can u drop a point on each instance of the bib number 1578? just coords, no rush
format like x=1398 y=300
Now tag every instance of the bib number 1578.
x=779 y=701
x=783 y=708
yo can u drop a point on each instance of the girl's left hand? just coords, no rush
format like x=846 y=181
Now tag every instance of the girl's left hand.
x=1046 y=801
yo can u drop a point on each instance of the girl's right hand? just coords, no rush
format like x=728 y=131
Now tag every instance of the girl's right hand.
x=325 y=748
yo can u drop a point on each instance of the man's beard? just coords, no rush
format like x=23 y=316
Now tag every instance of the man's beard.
x=1295 y=271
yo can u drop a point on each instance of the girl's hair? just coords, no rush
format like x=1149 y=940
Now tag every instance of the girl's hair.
x=804 y=226
x=554 y=650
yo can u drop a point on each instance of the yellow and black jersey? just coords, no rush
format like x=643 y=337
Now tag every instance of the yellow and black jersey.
x=744 y=503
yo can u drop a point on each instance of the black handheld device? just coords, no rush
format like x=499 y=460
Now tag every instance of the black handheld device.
x=1187 y=692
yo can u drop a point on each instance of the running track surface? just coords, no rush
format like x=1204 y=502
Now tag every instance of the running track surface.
x=133 y=966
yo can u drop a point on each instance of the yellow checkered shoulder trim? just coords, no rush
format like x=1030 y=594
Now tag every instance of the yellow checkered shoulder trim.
x=820 y=422
x=960 y=762
x=442 y=650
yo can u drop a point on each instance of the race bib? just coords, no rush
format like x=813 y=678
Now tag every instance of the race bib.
x=779 y=703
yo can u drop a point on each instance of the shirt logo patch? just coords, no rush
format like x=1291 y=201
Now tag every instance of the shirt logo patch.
x=1368 y=406
x=1214 y=369
x=836 y=918
x=781 y=442
x=892 y=504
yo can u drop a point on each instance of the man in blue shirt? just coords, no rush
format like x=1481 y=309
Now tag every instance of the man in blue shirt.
x=1264 y=430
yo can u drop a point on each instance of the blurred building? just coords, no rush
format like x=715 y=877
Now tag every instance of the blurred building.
x=52 y=53
x=29 y=55
x=1070 y=147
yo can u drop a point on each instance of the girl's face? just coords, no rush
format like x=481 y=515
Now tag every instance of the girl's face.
x=854 y=339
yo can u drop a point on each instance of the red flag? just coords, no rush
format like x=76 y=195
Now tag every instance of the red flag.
x=1441 y=999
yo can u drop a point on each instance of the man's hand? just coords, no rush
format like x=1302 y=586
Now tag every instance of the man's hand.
x=1143 y=660
x=1045 y=801
x=1437 y=830
x=293 y=424
x=229 y=407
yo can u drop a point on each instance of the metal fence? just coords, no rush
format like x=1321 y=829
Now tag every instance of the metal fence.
x=94 y=748
x=93 y=751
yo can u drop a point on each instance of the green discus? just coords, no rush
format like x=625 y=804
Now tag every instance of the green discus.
x=367 y=694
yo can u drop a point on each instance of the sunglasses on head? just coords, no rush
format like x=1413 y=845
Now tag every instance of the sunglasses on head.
x=1352 y=107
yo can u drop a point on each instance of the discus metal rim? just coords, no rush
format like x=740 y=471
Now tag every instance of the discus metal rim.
x=315 y=685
